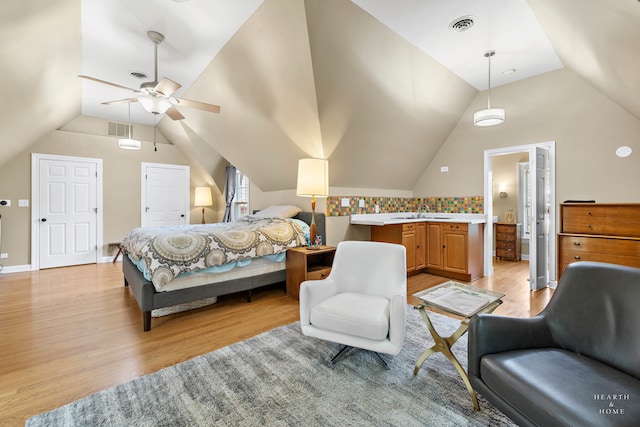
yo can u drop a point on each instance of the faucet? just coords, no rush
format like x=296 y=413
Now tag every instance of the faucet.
x=420 y=211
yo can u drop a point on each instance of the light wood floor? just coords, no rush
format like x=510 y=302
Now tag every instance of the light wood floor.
x=66 y=333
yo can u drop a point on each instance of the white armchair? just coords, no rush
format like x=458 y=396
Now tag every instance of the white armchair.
x=363 y=301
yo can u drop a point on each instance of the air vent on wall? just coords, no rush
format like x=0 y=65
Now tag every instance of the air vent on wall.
x=462 y=24
x=119 y=130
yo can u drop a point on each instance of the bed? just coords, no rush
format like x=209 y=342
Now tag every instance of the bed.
x=200 y=284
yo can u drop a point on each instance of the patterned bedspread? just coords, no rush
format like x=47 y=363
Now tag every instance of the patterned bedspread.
x=169 y=251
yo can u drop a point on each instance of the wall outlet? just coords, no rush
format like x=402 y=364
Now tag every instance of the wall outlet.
x=444 y=169
x=4 y=255
x=5 y=202
x=361 y=203
x=344 y=202
x=23 y=203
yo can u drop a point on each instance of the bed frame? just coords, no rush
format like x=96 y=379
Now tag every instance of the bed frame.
x=149 y=299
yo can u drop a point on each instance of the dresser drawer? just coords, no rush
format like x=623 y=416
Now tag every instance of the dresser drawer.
x=318 y=274
x=569 y=257
x=613 y=220
x=599 y=245
x=503 y=228
x=408 y=226
x=505 y=252
x=505 y=245
x=506 y=237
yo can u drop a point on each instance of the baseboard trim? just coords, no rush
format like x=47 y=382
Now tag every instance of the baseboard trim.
x=16 y=268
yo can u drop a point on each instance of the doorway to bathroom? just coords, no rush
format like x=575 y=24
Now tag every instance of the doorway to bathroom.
x=528 y=197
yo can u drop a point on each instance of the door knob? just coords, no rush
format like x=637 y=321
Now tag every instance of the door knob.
x=44 y=220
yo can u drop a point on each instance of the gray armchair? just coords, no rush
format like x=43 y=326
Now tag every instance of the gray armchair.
x=575 y=364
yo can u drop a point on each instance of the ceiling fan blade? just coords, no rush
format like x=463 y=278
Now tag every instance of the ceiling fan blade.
x=199 y=105
x=106 y=82
x=166 y=87
x=121 y=101
x=174 y=114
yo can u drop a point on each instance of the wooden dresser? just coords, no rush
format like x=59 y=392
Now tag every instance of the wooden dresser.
x=604 y=232
x=508 y=241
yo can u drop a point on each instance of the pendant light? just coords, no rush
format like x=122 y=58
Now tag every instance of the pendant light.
x=128 y=143
x=489 y=116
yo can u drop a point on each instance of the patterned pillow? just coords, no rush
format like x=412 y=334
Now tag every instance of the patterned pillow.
x=278 y=211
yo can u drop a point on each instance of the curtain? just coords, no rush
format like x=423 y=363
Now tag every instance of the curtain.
x=229 y=192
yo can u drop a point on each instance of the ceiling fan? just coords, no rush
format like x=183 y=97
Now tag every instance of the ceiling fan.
x=155 y=96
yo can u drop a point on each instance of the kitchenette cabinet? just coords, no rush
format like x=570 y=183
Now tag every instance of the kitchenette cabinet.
x=455 y=250
x=445 y=244
x=410 y=235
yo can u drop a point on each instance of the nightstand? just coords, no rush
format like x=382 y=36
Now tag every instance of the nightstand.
x=307 y=263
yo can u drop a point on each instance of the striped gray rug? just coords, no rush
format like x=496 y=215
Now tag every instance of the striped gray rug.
x=282 y=378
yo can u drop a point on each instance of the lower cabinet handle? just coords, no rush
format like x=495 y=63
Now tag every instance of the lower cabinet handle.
x=577 y=257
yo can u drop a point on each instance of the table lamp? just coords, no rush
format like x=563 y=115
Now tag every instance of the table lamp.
x=313 y=181
x=203 y=198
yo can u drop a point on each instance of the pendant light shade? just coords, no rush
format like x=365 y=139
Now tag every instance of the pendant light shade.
x=489 y=116
x=129 y=143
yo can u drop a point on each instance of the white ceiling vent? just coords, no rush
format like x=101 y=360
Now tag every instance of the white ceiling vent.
x=119 y=130
x=462 y=24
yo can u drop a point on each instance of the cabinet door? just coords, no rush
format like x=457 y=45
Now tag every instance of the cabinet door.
x=455 y=257
x=434 y=245
x=409 y=242
x=421 y=246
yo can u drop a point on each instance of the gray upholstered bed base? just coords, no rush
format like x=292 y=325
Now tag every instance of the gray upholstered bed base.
x=148 y=299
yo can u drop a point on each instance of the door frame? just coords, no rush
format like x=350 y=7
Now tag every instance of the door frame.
x=35 y=202
x=488 y=205
x=143 y=187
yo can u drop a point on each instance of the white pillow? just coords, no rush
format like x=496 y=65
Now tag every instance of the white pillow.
x=278 y=211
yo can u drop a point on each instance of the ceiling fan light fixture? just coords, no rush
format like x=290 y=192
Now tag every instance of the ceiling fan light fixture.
x=155 y=104
x=489 y=116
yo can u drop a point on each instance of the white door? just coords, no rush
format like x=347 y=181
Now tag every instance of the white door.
x=542 y=250
x=165 y=194
x=539 y=276
x=67 y=211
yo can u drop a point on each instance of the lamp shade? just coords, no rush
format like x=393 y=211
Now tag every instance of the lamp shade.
x=313 y=178
x=489 y=117
x=129 y=144
x=203 y=196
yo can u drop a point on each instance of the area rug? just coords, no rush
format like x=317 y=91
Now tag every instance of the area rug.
x=282 y=378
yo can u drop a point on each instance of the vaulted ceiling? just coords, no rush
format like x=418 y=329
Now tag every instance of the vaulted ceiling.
x=376 y=90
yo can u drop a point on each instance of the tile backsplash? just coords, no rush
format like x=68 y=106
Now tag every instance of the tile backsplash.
x=473 y=204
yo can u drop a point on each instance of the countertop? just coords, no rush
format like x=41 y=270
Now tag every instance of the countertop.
x=405 y=217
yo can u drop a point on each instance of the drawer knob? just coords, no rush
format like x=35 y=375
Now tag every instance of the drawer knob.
x=323 y=275
x=577 y=257
x=576 y=243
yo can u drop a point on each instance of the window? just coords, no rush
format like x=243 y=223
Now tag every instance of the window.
x=241 y=199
